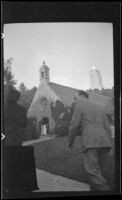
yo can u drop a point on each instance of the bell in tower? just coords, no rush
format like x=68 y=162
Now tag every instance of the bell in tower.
x=44 y=72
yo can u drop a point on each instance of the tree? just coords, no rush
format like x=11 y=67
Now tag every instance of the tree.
x=9 y=81
x=22 y=88
x=107 y=92
x=27 y=97
x=8 y=75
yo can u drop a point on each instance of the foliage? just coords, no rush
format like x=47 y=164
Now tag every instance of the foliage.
x=27 y=97
x=62 y=117
x=8 y=75
x=9 y=81
x=22 y=88
x=105 y=92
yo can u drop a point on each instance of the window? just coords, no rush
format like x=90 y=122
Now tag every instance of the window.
x=42 y=74
x=46 y=73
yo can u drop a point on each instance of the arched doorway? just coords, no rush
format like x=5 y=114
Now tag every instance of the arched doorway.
x=44 y=126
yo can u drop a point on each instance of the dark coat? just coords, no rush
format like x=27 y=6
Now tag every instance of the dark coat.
x=32 y=130
x=109 y=112
x=15 y=124
x=95 y=131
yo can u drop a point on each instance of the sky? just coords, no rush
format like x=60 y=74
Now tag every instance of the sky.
x=69 y=50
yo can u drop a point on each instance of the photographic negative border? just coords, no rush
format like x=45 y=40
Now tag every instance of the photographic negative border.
x=109 y=12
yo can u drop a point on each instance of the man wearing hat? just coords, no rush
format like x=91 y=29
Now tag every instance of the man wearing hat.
x=95 y=138
x=19 y=174
x=15 y=119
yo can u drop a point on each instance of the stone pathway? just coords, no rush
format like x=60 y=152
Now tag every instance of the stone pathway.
x=50 y=182
x=43 y=138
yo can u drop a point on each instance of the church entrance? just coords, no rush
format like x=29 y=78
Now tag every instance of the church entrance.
x=44 y=128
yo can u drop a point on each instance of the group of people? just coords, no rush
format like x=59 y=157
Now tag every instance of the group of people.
x=94 y=126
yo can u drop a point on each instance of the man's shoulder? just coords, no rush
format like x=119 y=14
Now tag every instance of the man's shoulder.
x=83 y=103
x=87 y=106
x=80 y=105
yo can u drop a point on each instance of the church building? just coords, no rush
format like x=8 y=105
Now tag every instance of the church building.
x=49 y=93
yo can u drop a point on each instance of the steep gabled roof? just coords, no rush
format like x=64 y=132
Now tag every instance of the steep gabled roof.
x=54 y=91
x=67 y=94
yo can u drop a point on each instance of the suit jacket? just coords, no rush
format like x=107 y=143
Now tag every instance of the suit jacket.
x=109 y=112
x=95 y=131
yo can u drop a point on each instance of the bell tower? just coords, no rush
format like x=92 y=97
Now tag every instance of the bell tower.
x=44 y=72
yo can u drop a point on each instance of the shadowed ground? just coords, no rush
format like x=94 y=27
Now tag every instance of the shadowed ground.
x=54 y=157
